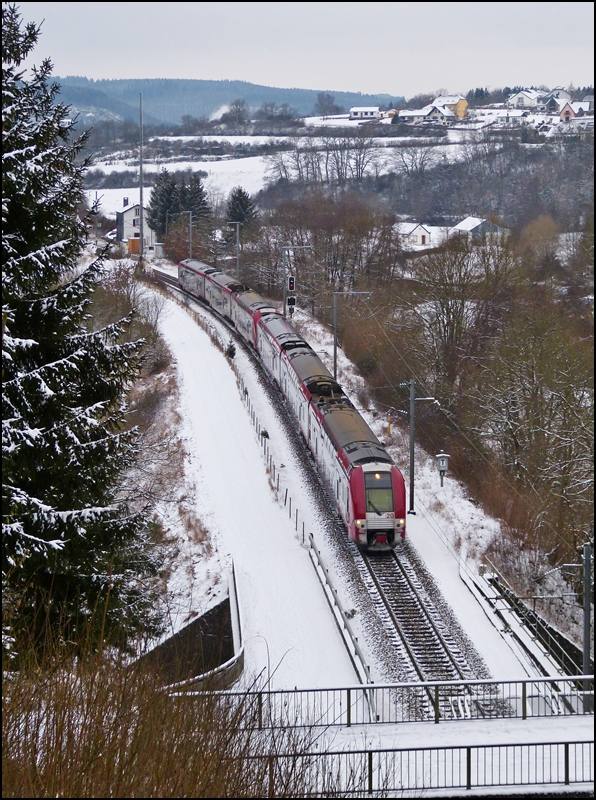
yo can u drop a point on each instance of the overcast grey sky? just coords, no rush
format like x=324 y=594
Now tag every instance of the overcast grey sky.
x=398 y=48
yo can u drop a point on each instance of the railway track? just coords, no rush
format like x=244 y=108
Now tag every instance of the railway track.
x=431 y=641
x=427 y=642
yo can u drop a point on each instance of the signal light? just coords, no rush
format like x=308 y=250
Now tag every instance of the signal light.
x=291 y=283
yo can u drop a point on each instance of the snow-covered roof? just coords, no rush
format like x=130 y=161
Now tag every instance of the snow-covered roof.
x=444 y=110
x=364 y=108
x=417 y=112
x=448 y=100
x=424 y=112
x=407 y=228
x=511 y=112
x=533 y=94
x=468 y=224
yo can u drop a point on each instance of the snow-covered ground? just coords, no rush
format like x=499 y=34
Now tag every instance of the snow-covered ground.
x=288 y=627
x=289 y=633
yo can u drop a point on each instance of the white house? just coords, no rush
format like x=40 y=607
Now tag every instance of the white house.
x=475 y=227
x=128 y=225
x=370 y=113
x=430 y=113
x=527 y=98
x=415 y=233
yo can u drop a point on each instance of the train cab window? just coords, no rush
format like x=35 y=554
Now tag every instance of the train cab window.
x=379 y=492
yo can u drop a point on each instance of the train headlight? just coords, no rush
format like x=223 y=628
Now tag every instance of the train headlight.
x=360 y=523
x=401 y=522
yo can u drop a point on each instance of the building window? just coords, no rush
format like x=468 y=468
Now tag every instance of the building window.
x=134 y=223
x=137 y=212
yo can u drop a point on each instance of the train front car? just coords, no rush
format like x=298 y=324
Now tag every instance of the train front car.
x=378 y=510
x=375 y=498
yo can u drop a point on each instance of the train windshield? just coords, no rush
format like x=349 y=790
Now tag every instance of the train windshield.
x=379 y=492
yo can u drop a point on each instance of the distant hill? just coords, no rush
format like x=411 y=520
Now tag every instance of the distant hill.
x=93 y=105
x=167 y=100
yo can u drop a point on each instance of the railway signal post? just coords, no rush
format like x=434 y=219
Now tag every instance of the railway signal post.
x=286 y=280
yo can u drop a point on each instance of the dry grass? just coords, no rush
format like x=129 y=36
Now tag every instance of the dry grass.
x=102 y=729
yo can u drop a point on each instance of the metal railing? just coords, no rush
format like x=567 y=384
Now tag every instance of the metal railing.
x=386 y=771
x=406 y=702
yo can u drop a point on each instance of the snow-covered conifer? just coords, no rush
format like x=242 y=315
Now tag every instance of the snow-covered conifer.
x=160 y=212
x=241 y=207
x=197 y=198
x=72 y=553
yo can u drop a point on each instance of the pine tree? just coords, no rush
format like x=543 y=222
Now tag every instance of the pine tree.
x=74 y=554
x=159 y=212
x=197 y=198
x=241 y=207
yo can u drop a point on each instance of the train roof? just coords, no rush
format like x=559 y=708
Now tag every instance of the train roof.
x=254 y=302
x=200 y=266
x=350 y=433
x=230 y=283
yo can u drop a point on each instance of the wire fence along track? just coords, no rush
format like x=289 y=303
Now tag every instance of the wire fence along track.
x=347 y=706
x=388 y=773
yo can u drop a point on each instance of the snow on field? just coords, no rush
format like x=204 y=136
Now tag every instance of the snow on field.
x=288 y=625
x=222 y=177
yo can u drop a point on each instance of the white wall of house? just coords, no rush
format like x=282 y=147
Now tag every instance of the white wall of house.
x=131 y=225
x=523 y=99
x=365 y=112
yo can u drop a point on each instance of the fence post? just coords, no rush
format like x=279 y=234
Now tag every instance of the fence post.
x=370 y=771
x=524 y=700
x=349 y=707
x=468 y=767
x=436 y=705
x=271 y=782
x=566 y=749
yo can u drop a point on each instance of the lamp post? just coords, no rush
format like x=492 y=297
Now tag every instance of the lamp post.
x=237 y=224
x=141 y=220
x=284 y=250
x=335 y=328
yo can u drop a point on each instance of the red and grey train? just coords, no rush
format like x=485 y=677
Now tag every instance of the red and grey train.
x=368 y=489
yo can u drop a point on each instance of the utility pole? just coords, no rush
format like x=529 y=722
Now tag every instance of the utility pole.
x=141 y=218
x=237 y=224
x=413 y=400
